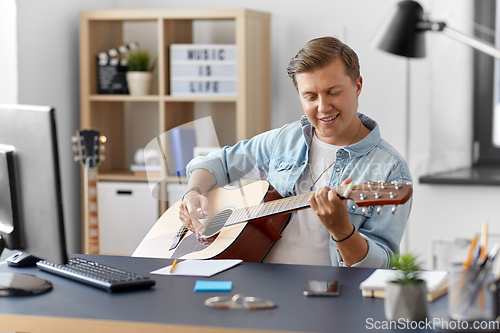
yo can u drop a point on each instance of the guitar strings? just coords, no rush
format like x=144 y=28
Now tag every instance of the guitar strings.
x=285 y=204
x=254 y=212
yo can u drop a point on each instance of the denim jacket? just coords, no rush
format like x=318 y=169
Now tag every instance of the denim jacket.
x=281 y=155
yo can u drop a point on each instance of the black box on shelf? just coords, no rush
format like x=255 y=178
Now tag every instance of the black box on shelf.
x=111 y=79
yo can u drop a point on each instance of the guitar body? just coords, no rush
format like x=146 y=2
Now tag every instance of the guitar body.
x=247 y=241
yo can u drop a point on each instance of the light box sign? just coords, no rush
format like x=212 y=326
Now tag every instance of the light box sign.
x=203 y=69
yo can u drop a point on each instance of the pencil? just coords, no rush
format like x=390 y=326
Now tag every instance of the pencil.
x=173 y=266
x=472 y=246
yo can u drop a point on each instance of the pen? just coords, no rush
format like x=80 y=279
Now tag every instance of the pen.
x=465 y=267
x=485 y=267
x=173 y=266
x=484 y=241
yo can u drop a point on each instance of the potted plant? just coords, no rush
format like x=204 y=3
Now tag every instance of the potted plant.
x=139 y=72
x=406 y=296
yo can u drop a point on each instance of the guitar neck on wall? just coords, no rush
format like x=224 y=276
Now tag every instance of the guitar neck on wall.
x=90 y=145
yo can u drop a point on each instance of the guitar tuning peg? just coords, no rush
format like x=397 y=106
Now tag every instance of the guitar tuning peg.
x=74 y=148
x=74 y=139
x=102 y=158
x=103 y=139
x=102 y=148
x=394 y=209
x=379 y=210
x=76 y=158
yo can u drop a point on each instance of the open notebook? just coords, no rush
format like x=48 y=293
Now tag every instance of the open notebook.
x=374 y=285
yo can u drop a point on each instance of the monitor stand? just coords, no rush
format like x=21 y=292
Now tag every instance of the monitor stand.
x=15 y=284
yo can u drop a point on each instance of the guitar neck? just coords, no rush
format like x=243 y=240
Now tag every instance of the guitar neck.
x=274 y=207
x=366 y=194
x=91 y=230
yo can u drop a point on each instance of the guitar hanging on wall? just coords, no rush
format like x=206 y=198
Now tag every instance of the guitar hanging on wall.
x=245 y=222
x=90 y=146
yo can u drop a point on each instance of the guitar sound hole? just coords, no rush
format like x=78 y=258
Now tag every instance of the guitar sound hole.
x=217 y=222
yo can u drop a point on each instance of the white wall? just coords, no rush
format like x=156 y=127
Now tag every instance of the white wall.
x=47 y=38
x=8 y=56
x=441 y=88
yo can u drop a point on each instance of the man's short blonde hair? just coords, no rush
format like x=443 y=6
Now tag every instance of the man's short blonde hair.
x=321 y=52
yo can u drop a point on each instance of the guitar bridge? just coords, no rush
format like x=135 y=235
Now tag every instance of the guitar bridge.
x=178 y=237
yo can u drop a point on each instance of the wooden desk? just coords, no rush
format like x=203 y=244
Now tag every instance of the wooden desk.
x=173 y=306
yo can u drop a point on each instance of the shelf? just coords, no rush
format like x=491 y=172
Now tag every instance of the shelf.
x=123 y=176
x=171 y=14
x=157 y=98
x=476 y=175
x=124 y=98
x=128 y=176
x=200 y=98
x=131 y=122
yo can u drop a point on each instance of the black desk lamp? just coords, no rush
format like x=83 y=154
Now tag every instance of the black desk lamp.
x=403 y=34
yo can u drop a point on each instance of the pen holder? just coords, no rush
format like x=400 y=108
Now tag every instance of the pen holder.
x=469 y=294
x=494 y=287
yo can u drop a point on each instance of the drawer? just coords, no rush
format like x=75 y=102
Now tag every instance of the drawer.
x=126 y=212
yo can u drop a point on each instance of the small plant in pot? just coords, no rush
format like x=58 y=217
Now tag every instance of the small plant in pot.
x=406 y=296
x=139 y=72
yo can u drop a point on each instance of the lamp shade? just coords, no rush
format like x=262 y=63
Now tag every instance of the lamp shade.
x=400 y=34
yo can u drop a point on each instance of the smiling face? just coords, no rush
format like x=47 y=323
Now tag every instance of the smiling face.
x=329 y=99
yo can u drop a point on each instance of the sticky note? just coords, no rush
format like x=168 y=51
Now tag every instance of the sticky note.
x=213 y=286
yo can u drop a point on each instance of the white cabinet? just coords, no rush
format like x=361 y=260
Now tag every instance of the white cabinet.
x=126 y=211
x=175 y=192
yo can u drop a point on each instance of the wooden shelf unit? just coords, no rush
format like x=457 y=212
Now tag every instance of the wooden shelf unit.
x=103 y=29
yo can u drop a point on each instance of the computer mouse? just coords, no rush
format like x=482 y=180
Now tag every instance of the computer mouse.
x=22 y=259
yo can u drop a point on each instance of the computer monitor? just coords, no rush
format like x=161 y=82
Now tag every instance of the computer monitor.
x=31 y=213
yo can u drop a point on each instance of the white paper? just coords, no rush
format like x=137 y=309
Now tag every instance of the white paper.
x=198 y=267
x=380 y=278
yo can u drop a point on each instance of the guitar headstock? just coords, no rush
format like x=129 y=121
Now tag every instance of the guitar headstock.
x=378 y=193
x=90 y=147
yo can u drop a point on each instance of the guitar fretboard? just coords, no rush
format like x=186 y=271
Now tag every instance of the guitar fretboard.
x=91 y=221
x=301 y=201
x=279 y=206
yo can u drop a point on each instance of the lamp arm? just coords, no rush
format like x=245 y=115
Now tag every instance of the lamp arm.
x=459 y=36
x=471 y=41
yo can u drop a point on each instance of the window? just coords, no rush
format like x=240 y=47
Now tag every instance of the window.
x=487 y=88
x=486 y=148
x=496 y=115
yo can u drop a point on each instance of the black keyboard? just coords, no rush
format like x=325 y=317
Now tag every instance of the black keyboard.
x=97 y=275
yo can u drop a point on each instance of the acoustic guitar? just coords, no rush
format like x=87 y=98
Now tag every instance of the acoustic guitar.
x=246 y=221
x=90 y=146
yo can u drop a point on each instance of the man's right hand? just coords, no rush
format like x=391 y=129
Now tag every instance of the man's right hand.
x=193 y=208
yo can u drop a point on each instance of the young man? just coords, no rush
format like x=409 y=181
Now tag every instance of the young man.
x=332 y=144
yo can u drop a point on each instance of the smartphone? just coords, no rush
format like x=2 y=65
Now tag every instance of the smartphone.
x=322 y=288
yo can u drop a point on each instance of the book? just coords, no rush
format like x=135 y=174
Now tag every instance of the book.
x=374 y=285
x=143 y=170
x=183 y=142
